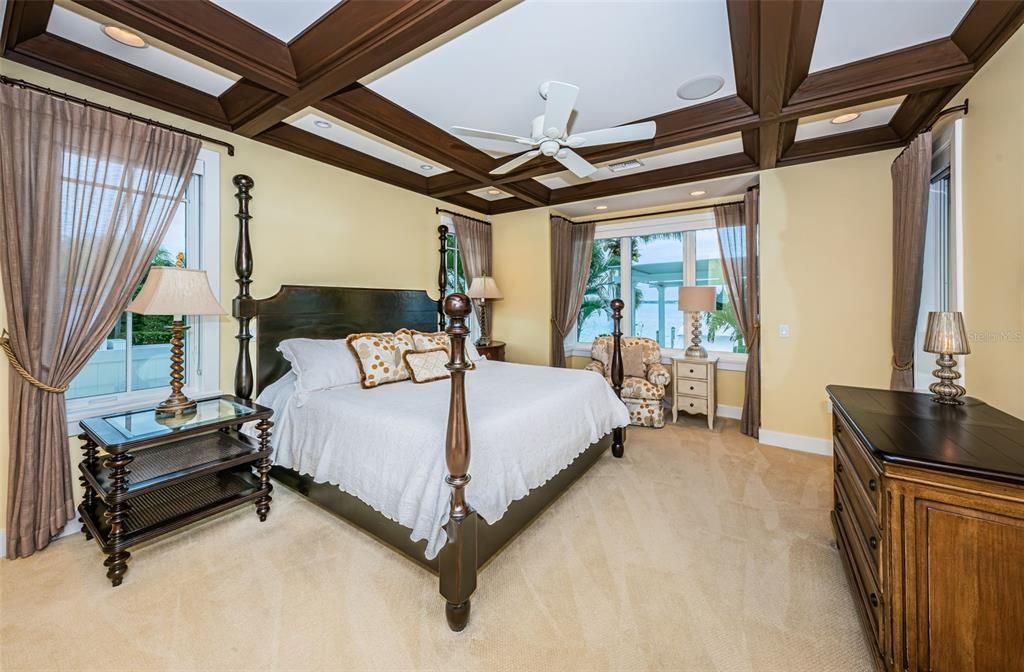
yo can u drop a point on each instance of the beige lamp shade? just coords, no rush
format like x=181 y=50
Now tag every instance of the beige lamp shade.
x=696 y=299
x=176 y=291
x=946 y=334
x=484 y=287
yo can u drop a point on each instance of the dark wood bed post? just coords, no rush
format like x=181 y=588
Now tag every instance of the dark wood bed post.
x=619 y=433
x=442 y=274
x=243 y=308
x=457 y=562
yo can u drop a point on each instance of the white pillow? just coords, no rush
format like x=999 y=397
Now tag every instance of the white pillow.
x=319 y=364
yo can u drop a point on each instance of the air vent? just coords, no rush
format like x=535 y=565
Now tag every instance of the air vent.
x=624 y=165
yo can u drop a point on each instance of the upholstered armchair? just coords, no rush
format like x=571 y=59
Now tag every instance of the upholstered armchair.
x=643 y=395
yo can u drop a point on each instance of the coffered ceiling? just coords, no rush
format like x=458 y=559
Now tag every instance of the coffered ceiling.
x=373 y=86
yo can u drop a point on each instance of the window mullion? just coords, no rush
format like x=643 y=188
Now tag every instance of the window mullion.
x=626 y=282
x=128 y=352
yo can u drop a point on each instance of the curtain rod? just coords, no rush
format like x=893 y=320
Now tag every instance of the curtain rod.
x=82 y=101
x=438 y=211
x=964 y=107
x=655 y=214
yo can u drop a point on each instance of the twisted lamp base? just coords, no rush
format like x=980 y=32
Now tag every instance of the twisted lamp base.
x=177 y=403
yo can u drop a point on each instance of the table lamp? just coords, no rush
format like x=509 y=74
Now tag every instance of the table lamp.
x=178 y=292
x=946 y=337
x=694 y=300
x=483 y=288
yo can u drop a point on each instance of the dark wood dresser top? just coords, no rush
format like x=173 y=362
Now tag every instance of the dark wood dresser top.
x=909 y=428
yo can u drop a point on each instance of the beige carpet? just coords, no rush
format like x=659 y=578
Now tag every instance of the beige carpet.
x=698 y=551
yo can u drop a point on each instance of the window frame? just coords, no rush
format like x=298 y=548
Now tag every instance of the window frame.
x=471 y=322
x=202 y=345
x=728 y=361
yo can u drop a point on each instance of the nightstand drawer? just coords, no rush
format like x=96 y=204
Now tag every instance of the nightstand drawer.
x=687 y=370
x=692 y=404
x=692 y=387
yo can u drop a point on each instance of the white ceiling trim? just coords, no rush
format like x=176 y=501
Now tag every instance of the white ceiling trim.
x=852 y=30
x=88 y=32
x=353 y=138
x=487 y=195
x=283 y=20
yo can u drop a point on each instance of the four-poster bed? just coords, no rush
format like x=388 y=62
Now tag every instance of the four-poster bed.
x=336 y=312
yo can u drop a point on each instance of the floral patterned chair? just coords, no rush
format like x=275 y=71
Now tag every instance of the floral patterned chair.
x=642 y=396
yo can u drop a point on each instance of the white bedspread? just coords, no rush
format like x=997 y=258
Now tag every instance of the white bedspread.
x=386 y=445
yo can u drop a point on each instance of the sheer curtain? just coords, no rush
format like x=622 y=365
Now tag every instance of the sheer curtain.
x=737 y=225
x=475 y=247
x=911 y=173
x=87 y=197
x=571 y=246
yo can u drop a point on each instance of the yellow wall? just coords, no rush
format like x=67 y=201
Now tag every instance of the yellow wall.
x=826 y=272
x=313 y=224
x=522 y=250
x=993 y=163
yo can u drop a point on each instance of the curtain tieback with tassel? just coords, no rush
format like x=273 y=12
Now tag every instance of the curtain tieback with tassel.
x=5 y=345
x=902 y=367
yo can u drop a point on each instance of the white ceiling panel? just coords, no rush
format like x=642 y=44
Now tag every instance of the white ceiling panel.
x=349 y=136
x=651 y=161
x=851 y=30
x=668 y=196
x=879 y=116
x=628 y=58
x=89 y=33
x=488 y=195
x=285 y=20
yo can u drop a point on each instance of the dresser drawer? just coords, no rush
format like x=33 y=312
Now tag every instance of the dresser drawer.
x=862 y=582
x=865 y=471
x=691 y=404
x=695 y=388
x=865 y=528
x=692 y=371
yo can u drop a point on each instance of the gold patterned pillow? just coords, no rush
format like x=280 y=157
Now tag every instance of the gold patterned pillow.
x=426 y=366
x=380 y=357
x=423 y=341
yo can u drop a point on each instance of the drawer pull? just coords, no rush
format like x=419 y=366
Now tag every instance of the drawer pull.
x=874 y=600
x=873 y=542
x=839 y=507
x=691 y=405
x=691 y=370
x=839 y=467
x=839 y=428
x=872 y=485
x=691 y=387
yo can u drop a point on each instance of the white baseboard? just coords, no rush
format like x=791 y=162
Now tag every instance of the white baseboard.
x=73 y=527
x=734 y=412
x=806 y=444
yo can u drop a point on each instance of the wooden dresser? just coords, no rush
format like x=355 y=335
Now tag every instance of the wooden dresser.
x=929 y=521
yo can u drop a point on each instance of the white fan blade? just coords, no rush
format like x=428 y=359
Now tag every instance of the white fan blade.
x=612 y=136
x=574 y=162
x=561 y=99
x=516 y=162
x=491 y=135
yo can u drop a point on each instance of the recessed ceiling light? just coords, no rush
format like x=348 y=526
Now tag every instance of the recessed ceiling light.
x=846 y=118
x=699 y=192
x=494 y=192
x=426 y=166
x=600 y=207
x=320 y=123
x=701 y=87
x=124 y=36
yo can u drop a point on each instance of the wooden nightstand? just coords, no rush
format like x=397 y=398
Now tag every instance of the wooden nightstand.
x=182 y=470
x=495 y=351
x=693 y=387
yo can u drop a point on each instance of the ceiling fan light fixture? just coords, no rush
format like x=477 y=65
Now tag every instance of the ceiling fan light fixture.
x=124 y=36
x=846 y=118
x=700 y=87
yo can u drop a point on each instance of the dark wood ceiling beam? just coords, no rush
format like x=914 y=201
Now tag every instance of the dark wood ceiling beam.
x=707 y=169
x=92 y=68
x=841 y=144
x=244 y=96
x=310 y=145
x=352 y=41
x=446 y=184
x=22 y=21
x=481 y=205
x=211 y=33
x=745 y=40
x=919 y=110
x=751 y=144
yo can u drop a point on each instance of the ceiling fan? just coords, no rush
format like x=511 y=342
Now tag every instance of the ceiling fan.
x=550 y=133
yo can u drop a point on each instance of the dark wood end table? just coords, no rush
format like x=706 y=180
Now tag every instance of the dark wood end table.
x=183 y=469
x=495 y=350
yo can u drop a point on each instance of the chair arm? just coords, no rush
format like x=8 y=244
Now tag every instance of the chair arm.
x=595 y=366
x=657 y=374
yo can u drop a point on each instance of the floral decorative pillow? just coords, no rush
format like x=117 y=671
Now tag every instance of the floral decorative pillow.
x=427 y=365
x=380 y=357
x=423 y=341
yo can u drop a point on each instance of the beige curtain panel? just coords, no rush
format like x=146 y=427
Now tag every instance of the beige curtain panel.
x=911 y=176
x=571 y=248
x=477 y=257
x=737 y=225
x=87 y=198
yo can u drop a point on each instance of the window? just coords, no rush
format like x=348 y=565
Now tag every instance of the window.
x=456 y=277
x=940 y=273
x=132 y=366
x=664 y=255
